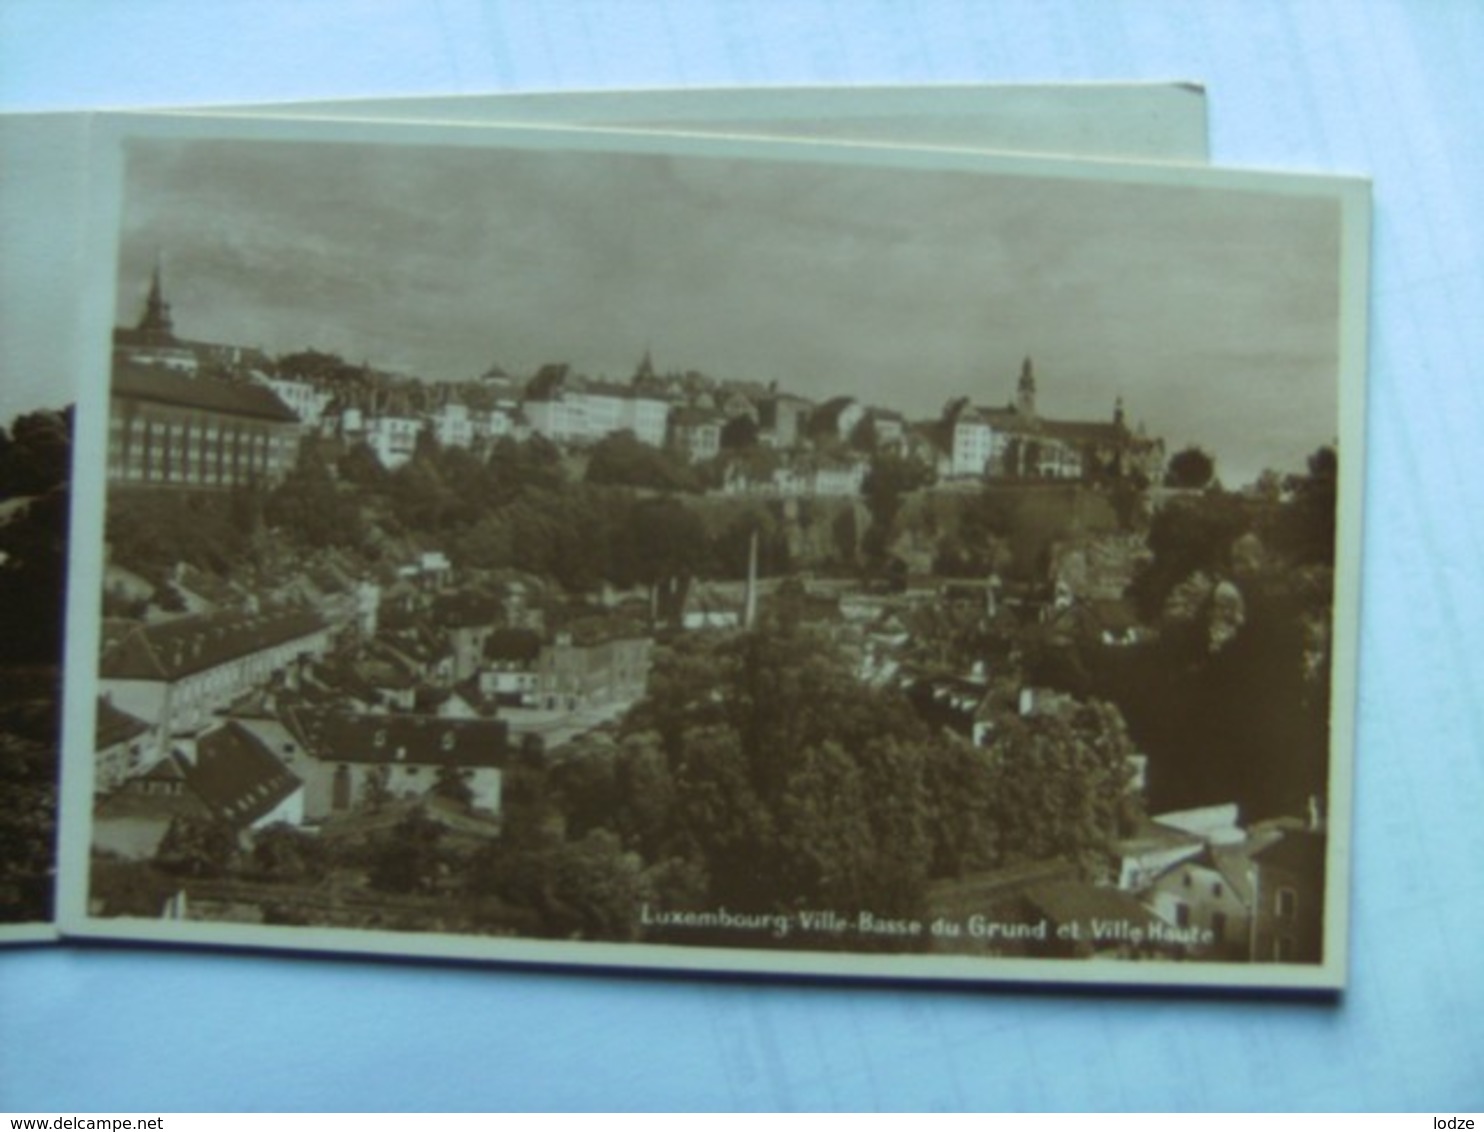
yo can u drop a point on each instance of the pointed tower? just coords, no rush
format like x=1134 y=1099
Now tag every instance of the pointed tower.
x=1118 y=411
x=645 y=373
x=155 y=321
x=1025 y=390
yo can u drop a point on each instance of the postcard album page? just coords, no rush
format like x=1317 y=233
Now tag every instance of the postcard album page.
x=42 y=208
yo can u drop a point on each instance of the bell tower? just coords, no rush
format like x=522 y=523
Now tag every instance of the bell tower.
x=645 y=373
x=155 y=324
x=1025 y=390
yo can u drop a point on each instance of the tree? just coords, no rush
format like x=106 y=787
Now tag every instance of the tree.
x=451 y=784
x=1059 y=784
x=28 y=809
x=792 y=782
x=1185 y=536
x=891 y=476
x=958 y=782
x=668 y=541
x=196 y=847
x=977 y=541
x=37 y=454
x=309 y=507
x=1191 y=468
x=824 y=846
x=519 y=465
x=319 y=365
x=595 y=885
x=33 y=574
x=622 y=459
x=1305 y=529
x=376 y=791
x=411 y=858
x=360 y=466
x=285 y=853
x=739 y=434
x=845 y=535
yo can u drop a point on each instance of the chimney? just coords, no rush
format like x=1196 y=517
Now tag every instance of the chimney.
x=749 y=612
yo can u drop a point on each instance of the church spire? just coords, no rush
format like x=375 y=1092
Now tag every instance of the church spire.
x=1118 y=411
x=155 y=320
x=645 y=372
x=1025 y=390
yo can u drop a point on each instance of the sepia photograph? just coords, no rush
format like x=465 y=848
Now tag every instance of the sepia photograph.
x=586 y=547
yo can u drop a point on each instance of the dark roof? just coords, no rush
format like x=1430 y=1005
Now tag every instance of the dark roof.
x=380 y=673
x=688 y=417
x=1009 y=419
x=520 y=645
x=828 y=414
x=233 y=778
x=133 y=800
x=216 y=590
x=163 y=386
x=468 y=608
x=174 y=649
x=238 y=778
x=417 y=740
x=556 y=379
x=962 y=409
x=1086 y=432
x=1151 y=835
x=415 y=644
x=112 y=726
x=549 y=382
x=1298 y=850
x=338 y=678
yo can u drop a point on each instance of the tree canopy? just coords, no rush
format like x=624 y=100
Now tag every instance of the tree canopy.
x=1191 y=467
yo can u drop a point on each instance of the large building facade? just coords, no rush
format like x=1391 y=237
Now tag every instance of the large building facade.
x=176 y=675
x=187 y=414
x=167 y=429
x=1016 y=442
x=570 y=409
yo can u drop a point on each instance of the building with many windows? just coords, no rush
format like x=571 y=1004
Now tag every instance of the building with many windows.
x=1016 y=442
x=344 y=757
x=570 y=409
x=175 y=675
x=169 y=429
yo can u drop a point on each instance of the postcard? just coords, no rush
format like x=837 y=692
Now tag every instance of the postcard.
x=42 y=183
x=1149 y=121
x=576 y=547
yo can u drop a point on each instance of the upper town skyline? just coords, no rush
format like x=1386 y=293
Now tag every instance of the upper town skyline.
x=1212 y=312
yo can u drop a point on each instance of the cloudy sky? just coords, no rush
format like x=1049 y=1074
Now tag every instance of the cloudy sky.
x=1212 y=312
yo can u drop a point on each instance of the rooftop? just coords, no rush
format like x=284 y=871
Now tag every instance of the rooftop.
x=175 y=649
x=416 y=740
x=166 y=387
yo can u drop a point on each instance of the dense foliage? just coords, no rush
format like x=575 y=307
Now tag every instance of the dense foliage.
x=35 y=458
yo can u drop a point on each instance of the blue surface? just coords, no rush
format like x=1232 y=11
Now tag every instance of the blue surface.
x=1394 y=90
